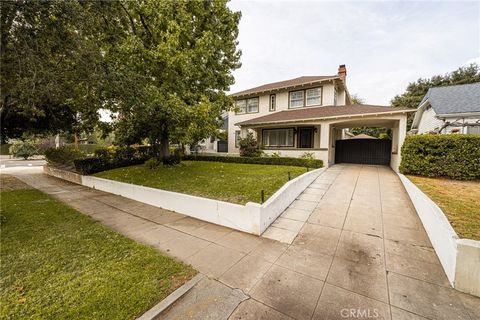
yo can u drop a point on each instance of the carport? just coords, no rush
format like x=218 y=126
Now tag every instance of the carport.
x=368 y=151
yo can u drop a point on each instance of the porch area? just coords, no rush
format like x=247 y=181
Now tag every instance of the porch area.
x=321 y=133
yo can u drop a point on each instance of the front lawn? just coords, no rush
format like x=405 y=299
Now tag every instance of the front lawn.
x=232 y=182
x=57 y=263
x=459 y=201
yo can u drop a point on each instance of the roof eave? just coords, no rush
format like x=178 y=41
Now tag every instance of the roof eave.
x=327 y=118
x=240 y=95
x=462 y=114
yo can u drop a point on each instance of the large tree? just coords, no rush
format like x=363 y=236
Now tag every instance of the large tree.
x=170 y=69
x=51 y=66
x=415 y=91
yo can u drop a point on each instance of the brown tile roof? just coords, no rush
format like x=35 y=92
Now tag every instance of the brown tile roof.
x=284 y=84
x=322 y=112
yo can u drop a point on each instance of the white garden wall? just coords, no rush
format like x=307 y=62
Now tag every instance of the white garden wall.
x=252 y=218
x=460 y=258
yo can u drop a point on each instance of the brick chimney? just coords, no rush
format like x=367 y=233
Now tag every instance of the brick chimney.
x=342 y=72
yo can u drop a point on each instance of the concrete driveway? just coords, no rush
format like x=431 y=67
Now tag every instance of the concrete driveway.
x=360 y=253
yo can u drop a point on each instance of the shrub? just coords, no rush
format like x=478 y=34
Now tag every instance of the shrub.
x=309 y=158
x=5 y=149
x=64 y=155
x=249 y=146
x=23 y=149
x=153 y=163
x=453 y=156
x=171 y=160
x=113 y=157
x=297 y=162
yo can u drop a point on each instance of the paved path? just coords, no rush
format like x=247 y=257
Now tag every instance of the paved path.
x=362 y=253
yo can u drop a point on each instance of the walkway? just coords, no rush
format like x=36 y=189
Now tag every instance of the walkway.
x=362 y=253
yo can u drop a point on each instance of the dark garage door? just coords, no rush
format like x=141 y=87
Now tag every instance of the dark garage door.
x=364 y=151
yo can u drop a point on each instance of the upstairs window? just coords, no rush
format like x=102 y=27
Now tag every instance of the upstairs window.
x=314 y=96
x=252 y=105
x=296 y=99
x=241 y=106
x=335 y=96
x=247 y=106
x=273 y=102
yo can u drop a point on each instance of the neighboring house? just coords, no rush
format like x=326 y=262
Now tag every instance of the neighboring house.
x=213 y=144
x=449 y=110
x=309 y=114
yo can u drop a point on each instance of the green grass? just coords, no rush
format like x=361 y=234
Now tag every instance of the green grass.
x=232 y=182
x=459 y=200
x=59 y=264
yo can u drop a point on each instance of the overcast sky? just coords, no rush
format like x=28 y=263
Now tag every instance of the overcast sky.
x=385 y=45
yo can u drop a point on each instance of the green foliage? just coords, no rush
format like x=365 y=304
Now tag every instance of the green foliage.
x=64 y=155
x=356 y=99
x=249 y=146
x=415 y=91
x=453 y=156
x=60 y=264
x=297 y=162
x=114 y=157
x=5 y=149
x=381 y=133
x=153 y=163
x=309 y=158
x=174 y=60
x=232 y=182
x=52 y=71
x=23 y=149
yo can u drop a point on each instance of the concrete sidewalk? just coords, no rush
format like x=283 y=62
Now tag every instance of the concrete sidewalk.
x=360 y=253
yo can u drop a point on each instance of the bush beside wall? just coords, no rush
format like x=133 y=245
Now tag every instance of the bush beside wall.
x=111 y=158
x=452 y=156
x=297 y=162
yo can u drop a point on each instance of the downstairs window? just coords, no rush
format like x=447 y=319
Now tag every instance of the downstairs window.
x=278 y=137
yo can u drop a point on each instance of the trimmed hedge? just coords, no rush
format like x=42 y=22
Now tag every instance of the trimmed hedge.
x=281 y=161
x=452 y=156
x=64 y=155
x=111 y=158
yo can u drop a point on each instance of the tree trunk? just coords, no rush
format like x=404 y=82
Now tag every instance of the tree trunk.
x=76 y=141
x=164 y=151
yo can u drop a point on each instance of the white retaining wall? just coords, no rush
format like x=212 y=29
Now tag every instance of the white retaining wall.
x=460 y=258
x=252 y=218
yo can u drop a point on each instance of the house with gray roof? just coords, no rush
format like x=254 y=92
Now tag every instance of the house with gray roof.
x=450 y=109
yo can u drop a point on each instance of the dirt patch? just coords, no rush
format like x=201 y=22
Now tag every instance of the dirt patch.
x=8 y=182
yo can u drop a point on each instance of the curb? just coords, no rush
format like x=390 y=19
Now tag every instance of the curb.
x=157 y=309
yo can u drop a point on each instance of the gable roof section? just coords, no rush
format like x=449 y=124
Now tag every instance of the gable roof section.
x=464 y=98
x=313 y=113
x=284 y=84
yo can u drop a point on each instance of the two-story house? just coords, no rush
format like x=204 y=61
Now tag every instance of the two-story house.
x=308 y=114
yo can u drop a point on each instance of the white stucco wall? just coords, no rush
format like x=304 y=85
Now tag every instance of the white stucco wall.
x=282 y=99
x=460 y=258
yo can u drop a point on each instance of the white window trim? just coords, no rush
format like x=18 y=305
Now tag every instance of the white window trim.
x=290 y=99
x=246 y=105
x=286 y=137
x=319 y=96
x=305 y=104
x=272 y=106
